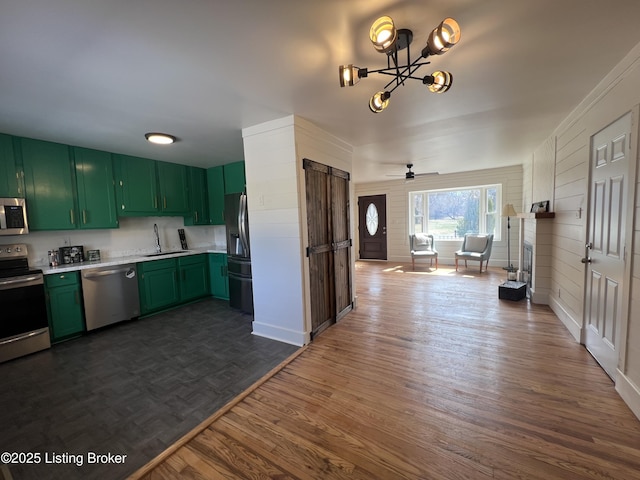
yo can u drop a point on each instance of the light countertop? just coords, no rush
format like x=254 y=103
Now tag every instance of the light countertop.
x=109 y=262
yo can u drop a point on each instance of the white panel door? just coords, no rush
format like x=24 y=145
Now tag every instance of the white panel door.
x=605 y=260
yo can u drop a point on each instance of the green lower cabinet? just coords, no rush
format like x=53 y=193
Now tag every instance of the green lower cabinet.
x=171 y=282
x=218 y=275
x=194 y=277
x=158 y=285
x=64 y=306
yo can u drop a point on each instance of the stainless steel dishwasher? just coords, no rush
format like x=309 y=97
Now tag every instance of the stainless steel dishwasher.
x=110 y=295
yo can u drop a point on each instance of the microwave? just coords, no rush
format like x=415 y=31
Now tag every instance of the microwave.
x=13 y=216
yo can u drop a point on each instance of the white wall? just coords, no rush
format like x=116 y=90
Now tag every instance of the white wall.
x=277 y=214
x=617 y=94
x=397 y=192
x=135 y=236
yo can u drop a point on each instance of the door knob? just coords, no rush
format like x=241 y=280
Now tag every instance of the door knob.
x=589 y=245
x=586 y=260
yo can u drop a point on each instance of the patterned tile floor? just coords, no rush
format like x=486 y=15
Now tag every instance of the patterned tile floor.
x=130 y=389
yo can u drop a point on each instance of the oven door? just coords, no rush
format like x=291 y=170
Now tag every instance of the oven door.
x=23 y=316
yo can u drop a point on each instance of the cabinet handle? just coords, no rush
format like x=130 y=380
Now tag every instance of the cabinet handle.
x=155 y=202
x=196 y=213
x=164 y=202
x=73 y=218
x=77 y=298
x=84 y=216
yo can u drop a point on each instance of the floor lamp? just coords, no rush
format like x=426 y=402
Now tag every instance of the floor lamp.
x=508 y=211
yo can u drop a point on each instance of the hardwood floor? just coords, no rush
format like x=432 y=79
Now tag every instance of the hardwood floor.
x=431 y=377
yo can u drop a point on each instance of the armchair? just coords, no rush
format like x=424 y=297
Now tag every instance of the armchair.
x=475 y=247
x=422 y=245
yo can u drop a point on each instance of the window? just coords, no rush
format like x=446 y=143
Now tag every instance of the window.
x=449 y=214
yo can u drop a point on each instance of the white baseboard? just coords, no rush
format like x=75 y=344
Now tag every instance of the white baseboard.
x=281 y=334
x=629 y=392
x=569 y=322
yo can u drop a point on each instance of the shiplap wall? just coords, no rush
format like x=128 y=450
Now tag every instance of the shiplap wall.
x=397 y=193
x=617 y=94
x=277 y=217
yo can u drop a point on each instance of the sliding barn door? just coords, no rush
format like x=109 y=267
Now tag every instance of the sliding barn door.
x=329 y=244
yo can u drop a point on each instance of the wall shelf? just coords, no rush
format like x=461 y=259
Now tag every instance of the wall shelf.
x=537 y=215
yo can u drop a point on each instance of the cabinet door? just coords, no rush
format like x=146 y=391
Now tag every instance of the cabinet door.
x=194 y=277
x=49 y=184
x=199 y=214
x=64 y=306
x=96 y=192
x=158 y=290
x=215 y=194
x=234 y=177
x=174 y=191
x=136 y=186
x=218 y=275
x=10 y=185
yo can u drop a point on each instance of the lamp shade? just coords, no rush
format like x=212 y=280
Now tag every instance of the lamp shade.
x=439 y=82
x=379 y=101
x=442 y=38
x=508 y=210
x=383 y=34
x=348 y=75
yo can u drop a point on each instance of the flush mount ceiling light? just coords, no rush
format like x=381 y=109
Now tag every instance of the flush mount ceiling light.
x=387 y=39
x=160 y=138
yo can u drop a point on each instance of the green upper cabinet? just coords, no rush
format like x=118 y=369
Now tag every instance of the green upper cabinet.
x=234 y=177
x=136 y=186
x=49 y=180
x=199 y=214
x=96 y=191
x=10 y=180
x=174 y=191
x=215 y=195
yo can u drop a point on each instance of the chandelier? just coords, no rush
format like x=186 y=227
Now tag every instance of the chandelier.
x=391 y=41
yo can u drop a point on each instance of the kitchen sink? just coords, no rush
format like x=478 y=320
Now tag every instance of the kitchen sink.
x=161 y=254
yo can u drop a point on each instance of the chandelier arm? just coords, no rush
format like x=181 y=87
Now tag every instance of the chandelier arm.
x=387 y=71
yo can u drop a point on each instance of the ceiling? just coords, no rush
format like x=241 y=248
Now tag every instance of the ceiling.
x=101 y=73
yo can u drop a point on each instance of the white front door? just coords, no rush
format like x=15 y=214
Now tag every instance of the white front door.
x=605 y=257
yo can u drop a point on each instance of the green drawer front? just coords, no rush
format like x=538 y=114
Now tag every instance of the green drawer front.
x=153 y=265
x=61 y=279
x=192 y=259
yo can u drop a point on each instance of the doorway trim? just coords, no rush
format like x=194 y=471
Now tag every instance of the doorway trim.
x=628 y=240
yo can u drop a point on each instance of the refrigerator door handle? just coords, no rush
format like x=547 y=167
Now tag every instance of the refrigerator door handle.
x=242 y=224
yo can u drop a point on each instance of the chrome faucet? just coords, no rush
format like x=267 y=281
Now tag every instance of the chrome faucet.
x=155 y=230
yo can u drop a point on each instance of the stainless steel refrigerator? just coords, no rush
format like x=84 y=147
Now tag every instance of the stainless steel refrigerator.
x=238 y=252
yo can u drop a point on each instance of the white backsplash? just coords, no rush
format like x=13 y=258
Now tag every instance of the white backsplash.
x=135 y=236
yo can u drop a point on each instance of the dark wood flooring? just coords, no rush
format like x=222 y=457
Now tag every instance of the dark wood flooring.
x=131 y=389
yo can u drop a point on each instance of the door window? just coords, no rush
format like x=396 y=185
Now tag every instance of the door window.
x=372 y=219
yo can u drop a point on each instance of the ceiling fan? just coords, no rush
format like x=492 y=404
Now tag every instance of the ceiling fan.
x=410 y=174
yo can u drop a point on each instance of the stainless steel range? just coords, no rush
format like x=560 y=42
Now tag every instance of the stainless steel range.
x=24 y=327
